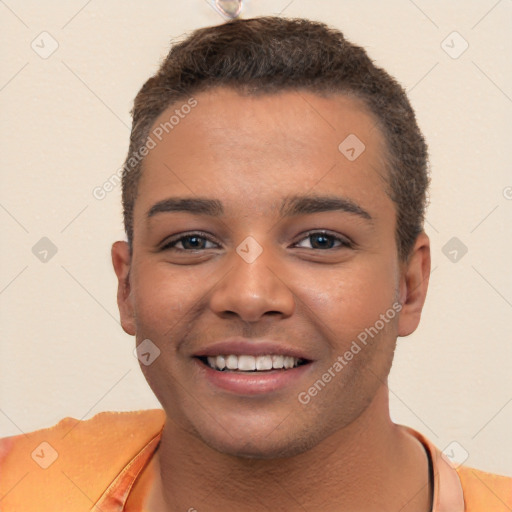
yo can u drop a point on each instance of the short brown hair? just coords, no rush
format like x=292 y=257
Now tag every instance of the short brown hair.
x=272 y=54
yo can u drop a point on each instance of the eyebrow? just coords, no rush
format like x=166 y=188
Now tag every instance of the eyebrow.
x=304 y=205
x=290 y=207
x=198 y=206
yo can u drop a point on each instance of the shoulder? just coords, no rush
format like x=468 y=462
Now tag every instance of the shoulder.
x=74 y=459
x=485 y=491
x=465 y=488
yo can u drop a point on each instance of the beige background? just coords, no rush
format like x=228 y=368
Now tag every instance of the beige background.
x=64 y=130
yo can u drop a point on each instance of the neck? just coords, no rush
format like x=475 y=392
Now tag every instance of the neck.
x=372 y=464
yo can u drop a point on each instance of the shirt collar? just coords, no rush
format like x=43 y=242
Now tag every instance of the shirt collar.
x=448 y=495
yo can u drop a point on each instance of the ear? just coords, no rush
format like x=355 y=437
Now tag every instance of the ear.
x=413 y=285
x=121 y=259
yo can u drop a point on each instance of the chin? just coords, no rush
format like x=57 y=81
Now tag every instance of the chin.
x=264 y=450
x=259 y=443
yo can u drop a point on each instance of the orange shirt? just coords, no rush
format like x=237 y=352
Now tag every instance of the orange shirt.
x=105 y=464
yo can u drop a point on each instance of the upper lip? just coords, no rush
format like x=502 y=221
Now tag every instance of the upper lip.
x=244 y=346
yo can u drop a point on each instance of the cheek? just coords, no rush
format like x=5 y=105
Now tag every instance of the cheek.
x=353 y=298
x=161 y=300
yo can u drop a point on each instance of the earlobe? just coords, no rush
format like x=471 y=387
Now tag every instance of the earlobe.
x=414 y=285
x=121 y=260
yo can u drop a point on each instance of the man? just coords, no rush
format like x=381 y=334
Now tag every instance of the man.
x=274 y=197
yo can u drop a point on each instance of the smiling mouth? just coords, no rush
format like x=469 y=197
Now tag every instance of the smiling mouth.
x=251 y=364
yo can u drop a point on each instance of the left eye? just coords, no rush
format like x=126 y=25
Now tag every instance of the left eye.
x=322 y=240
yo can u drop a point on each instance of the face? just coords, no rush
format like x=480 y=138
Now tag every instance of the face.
x=256 y=239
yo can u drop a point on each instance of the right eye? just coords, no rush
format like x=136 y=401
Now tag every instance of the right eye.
x=190 y=242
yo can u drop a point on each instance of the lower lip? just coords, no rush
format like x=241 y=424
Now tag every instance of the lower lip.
x=254 y=383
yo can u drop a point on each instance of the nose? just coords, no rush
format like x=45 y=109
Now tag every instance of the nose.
x=253 y=289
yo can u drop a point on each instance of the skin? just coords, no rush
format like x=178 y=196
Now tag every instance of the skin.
x=341 y=451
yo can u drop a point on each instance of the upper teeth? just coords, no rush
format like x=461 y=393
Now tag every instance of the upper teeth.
x=251 y=363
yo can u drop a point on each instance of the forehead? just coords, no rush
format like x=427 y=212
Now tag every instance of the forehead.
x=251 y=151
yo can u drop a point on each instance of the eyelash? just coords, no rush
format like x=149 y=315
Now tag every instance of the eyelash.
x=344 y=242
